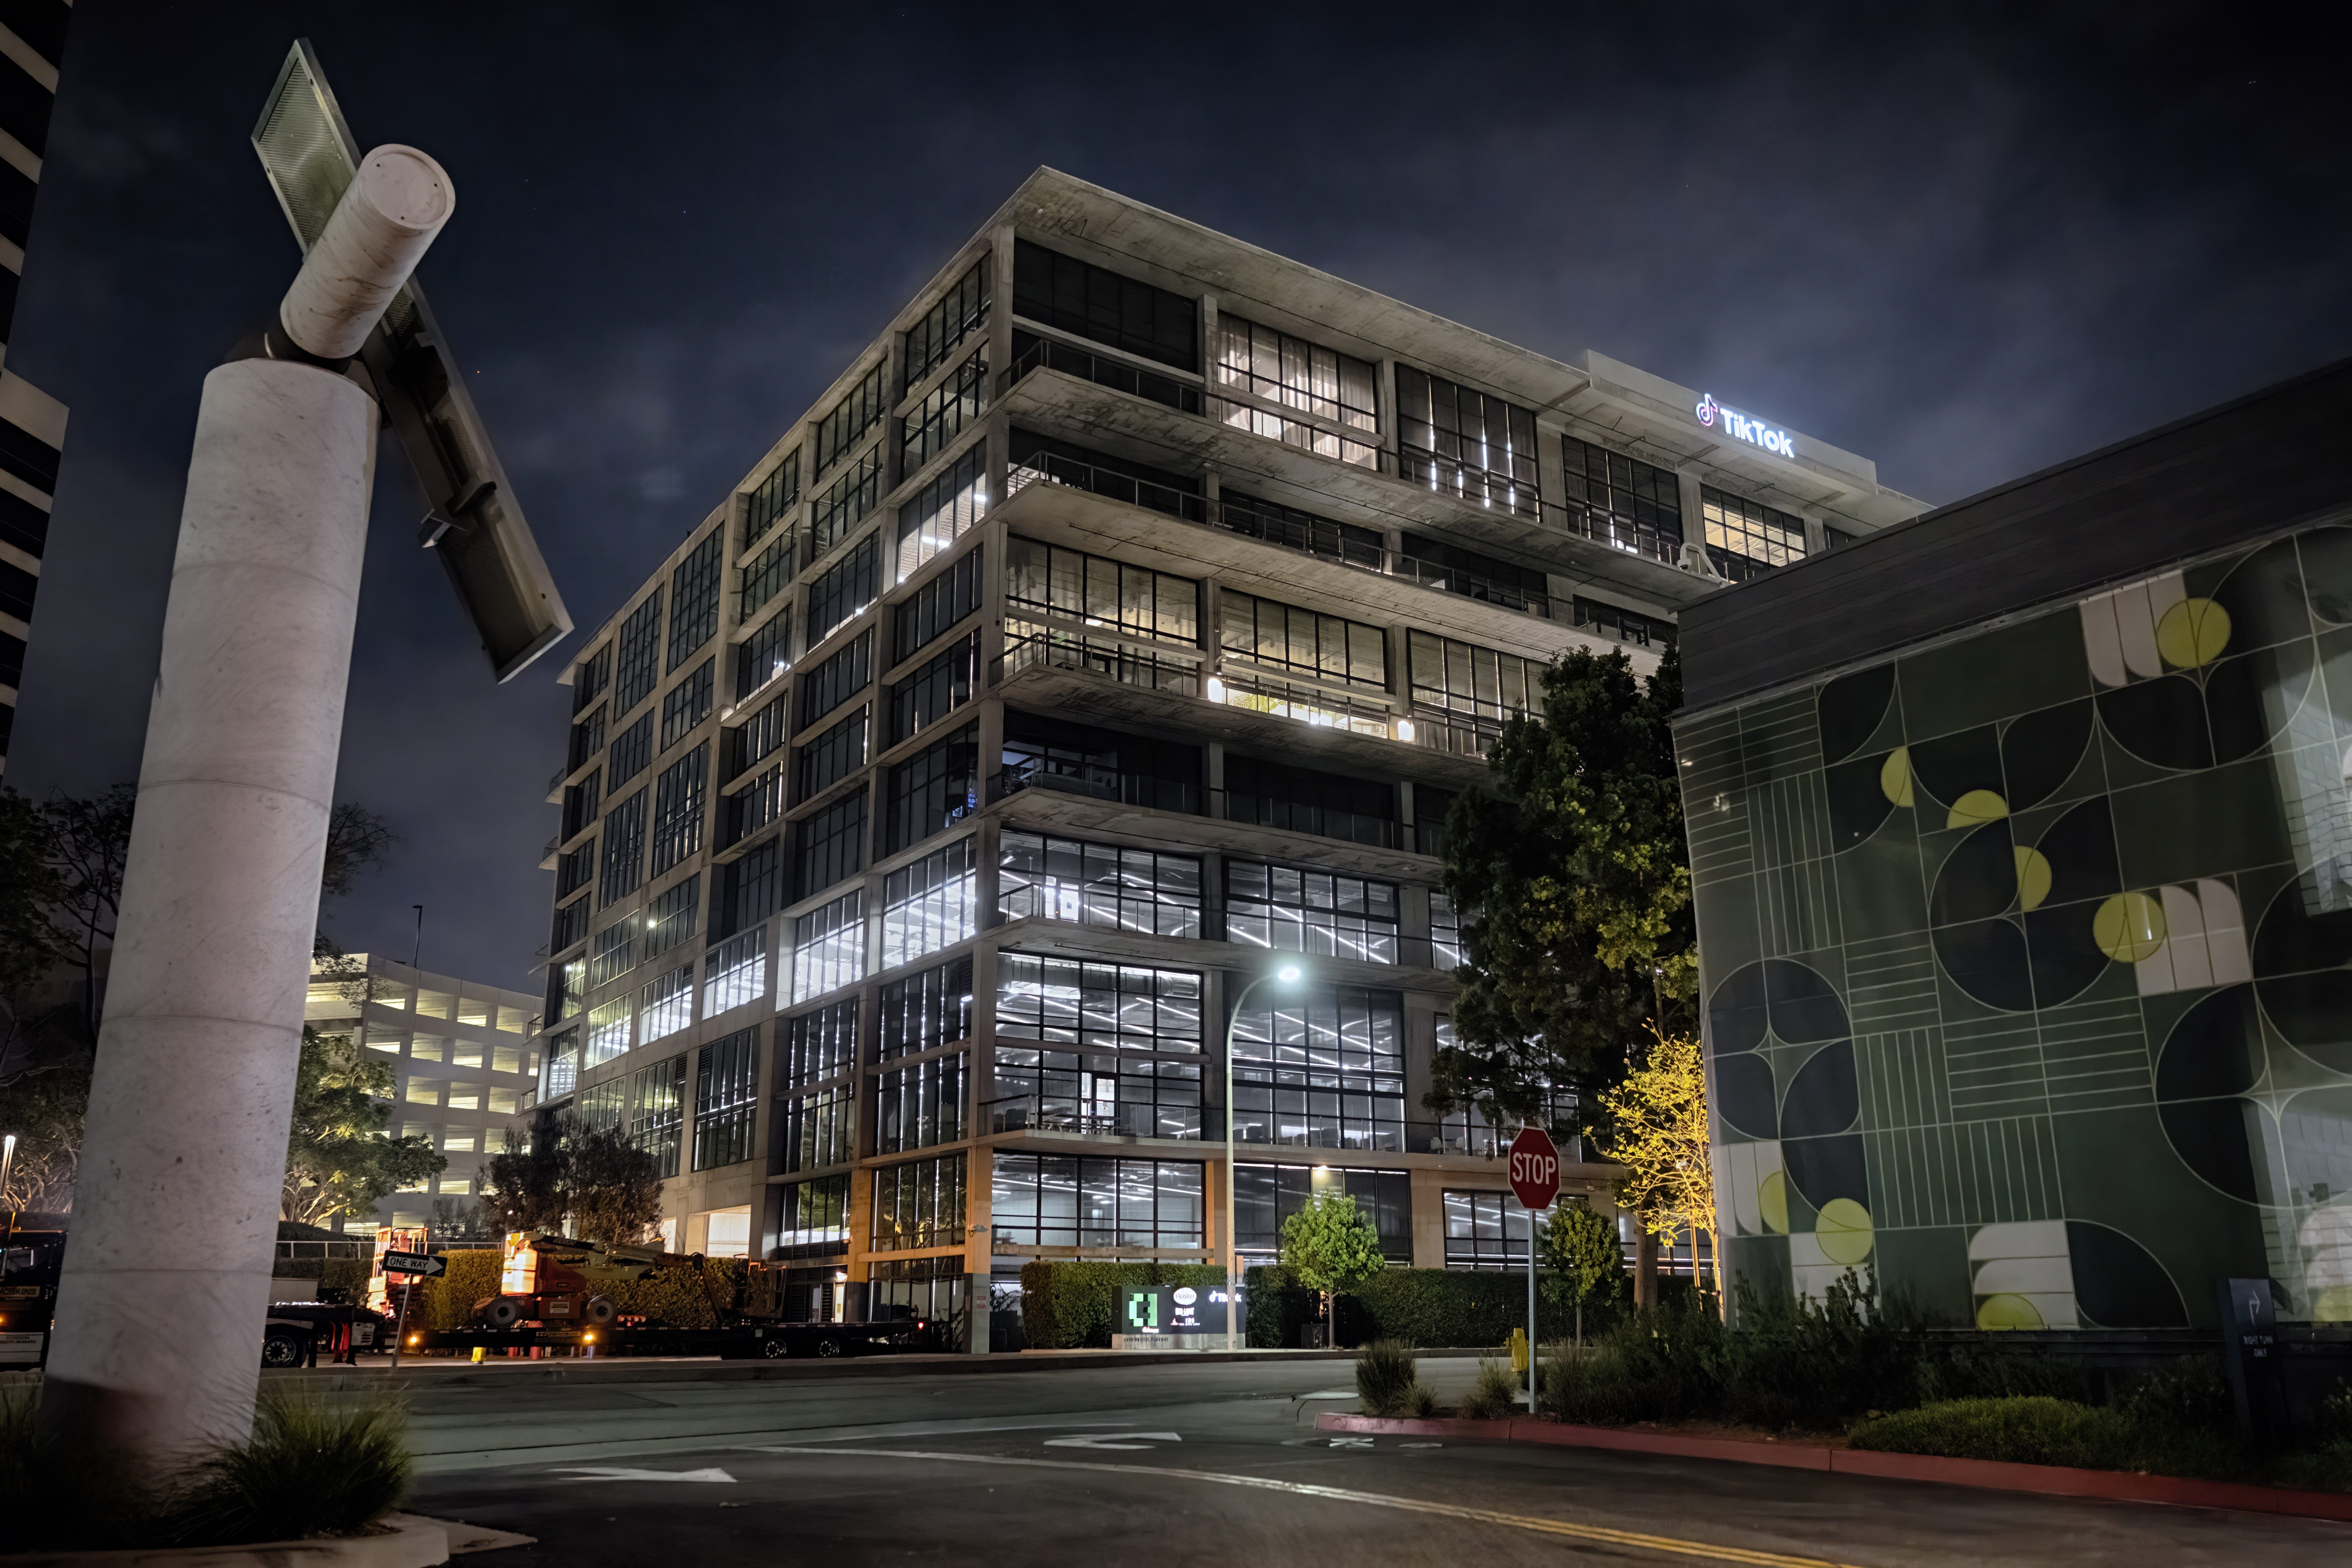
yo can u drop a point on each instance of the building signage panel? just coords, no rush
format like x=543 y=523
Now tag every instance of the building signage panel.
x=1741 y=429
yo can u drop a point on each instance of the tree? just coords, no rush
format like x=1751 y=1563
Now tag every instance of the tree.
x=1580 y=1256
x=29 y=889
x=593 y=1178
x=338 y=1159
x=1568 y=871
x=357 y=840
x=90 y=840
x=1655 y=1126
x=1329 y=1245
x=45 y=1111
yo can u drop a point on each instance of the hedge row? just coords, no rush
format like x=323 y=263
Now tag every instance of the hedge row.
x=1075 y=1306
x=672 y=1297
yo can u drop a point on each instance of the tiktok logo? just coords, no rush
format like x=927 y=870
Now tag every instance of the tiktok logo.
x=1706 y=409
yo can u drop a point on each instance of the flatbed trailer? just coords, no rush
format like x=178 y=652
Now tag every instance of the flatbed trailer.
x=739 y=1342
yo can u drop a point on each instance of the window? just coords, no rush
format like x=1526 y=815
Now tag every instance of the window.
x=935 y=606
x=830 y=758
x=670 y=916
x=687 y=704
x=753 y=807
x=772 y=499
x=829 y=946
x=837 y=679
x=1485 y=1230
x=920 y=1104
x=678 y=808
x=666 y=1005
x=1283 y=636
x=1468 y=688
x=932 y=791
x=640 y=655
x=1625 y=625
x=735 y=973
x=581 y=804
x=601 y=1107
x=1466 y=444
x=562 y=1065
x=725 y=1091
x=616 y=952
x=766 y=654
x=1098 y=885
x=1757 y=535
x=694 y=597
x=930 y=903
x=934 y=690
x=1319 y=912
x=1620 y=498
x=844 y=504
x=624 y=847
x=1430 y=807
x=1048 y=580
x=1083 y=759
x=829 y=844
x=764 y=577
x=930 y=1008
x=859 y=410
x=751 y=889
x=946 y=324
x=752 y=741
x=1062 y=1091
x=587 y=740
x=817 y=1213
x=919 y=1203
x=567 y=989
x=571 y=925
x=1326 y=1071
x=608 y=1032
x=1304 y=800
x=932 y=424
x=1297 y=530
x=632 y=749
x=821 y=1045
x=943 y=510
x=1296 y=373
x=1061 y=1200
x=1097 y=1007
x=1265 y=1196
x=657 y=1114
x=1091 y=302
x=1435 y=564
x=817 y=1129
x=595 y=674
x=845 y=590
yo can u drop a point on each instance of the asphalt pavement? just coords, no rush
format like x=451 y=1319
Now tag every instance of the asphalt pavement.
x=1174 y=1465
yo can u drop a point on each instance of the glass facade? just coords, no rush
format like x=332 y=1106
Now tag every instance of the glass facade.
x=1324 y=913
x=735 y=972
x=726 y=1089
x=930 y=903
x=1053 y=1200
x=1466 y=444
x=943 y=510
x=1097 y=885
x=639 y=665
x=1332 y=386
x=1303 y=642
x=694 y=598
x=1744 y=535
x=1097 y=1007
x=1325 y=1070
x=1045 y=579
x=829 y=946
x=919 y=1204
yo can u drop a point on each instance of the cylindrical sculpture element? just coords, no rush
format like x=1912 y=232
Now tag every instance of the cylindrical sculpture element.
x=160 y=1310
x=388 y=216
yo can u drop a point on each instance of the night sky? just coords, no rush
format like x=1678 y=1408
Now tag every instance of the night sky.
x=1964 y=241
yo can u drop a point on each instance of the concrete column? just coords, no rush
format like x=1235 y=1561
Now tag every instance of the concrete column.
x=161 y=1306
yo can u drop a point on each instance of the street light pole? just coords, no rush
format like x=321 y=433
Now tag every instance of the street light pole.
x=1286 y=975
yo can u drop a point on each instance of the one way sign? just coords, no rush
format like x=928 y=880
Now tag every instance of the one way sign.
x=423 y=1263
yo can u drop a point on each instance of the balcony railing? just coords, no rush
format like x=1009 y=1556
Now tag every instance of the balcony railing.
x=1329 y=544
x=1043 y=468
x=555 y=780
x=1074 y=1116
x=1617 y=532
x=1047 y=354
x=1308 y=704
x=1128 y=666
x=1100 y=784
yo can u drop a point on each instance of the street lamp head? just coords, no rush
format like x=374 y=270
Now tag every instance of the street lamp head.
x=1287 y=974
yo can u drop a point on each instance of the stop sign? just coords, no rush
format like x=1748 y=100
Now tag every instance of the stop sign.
x=1534 y=1169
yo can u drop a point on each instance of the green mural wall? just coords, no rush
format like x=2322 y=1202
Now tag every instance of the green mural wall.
x=2027 y=956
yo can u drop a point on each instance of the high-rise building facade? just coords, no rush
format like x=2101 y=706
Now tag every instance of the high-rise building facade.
x=32 y=423
x=1122 y=622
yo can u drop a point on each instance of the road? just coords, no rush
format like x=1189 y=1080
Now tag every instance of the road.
x=1181 y=1465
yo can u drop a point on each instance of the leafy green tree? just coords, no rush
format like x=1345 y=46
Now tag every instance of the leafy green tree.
x=592 y=1180
x=1577 y=1257
x=1569 y=871
x=338 y=1159
x=1329 y=1245
x=525 y=1186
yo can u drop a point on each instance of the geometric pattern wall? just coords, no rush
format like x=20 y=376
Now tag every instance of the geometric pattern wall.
x=2027 y=956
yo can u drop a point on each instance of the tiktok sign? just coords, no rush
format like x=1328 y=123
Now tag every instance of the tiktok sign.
x=1534 y=1169
x=1741 y=429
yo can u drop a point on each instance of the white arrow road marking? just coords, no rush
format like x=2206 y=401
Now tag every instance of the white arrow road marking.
x=612 y=1473
x=1352 y=1442
x=1103 y=1441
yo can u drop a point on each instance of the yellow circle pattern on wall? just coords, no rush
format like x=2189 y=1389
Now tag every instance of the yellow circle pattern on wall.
x=2033 y=878
x=2192 y=633
x=2129 y=927
x=1895 y=776
x=1977 y=808
x=2007 y=1311
x=1843 y=1231
x=1772 y=1197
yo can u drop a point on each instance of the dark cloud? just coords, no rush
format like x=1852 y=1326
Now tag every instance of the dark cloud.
x=1965 y=241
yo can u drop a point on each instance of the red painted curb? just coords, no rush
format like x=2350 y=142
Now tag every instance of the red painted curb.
x=2057 y=1480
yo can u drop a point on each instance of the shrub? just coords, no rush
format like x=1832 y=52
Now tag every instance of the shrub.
x=1496 y=1394
x=1075 y=1305
x=2189 y=1395
x=309 y=1468
x=447 y=1300
x=1421 y=1401
x=1385 y=1378
x=2036 y=1429
x=675 y=1296
x=58 y=1494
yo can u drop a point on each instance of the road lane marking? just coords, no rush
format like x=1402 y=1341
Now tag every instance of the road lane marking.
x=1103 y=1441
x=615 y=1473
x=1594 y=1532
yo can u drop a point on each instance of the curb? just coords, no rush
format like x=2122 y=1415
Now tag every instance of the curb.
x=2055 y=1480
x=411 y=1542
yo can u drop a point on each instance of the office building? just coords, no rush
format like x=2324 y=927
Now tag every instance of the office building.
x=2025 y=901
x=463 y=1061
x=32 y=423
x=1122 y=620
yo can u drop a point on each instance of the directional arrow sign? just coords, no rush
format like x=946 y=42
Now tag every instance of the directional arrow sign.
x=424 y=1263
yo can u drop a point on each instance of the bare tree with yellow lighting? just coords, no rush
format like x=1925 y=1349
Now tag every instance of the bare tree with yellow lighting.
x=1654 y=1125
